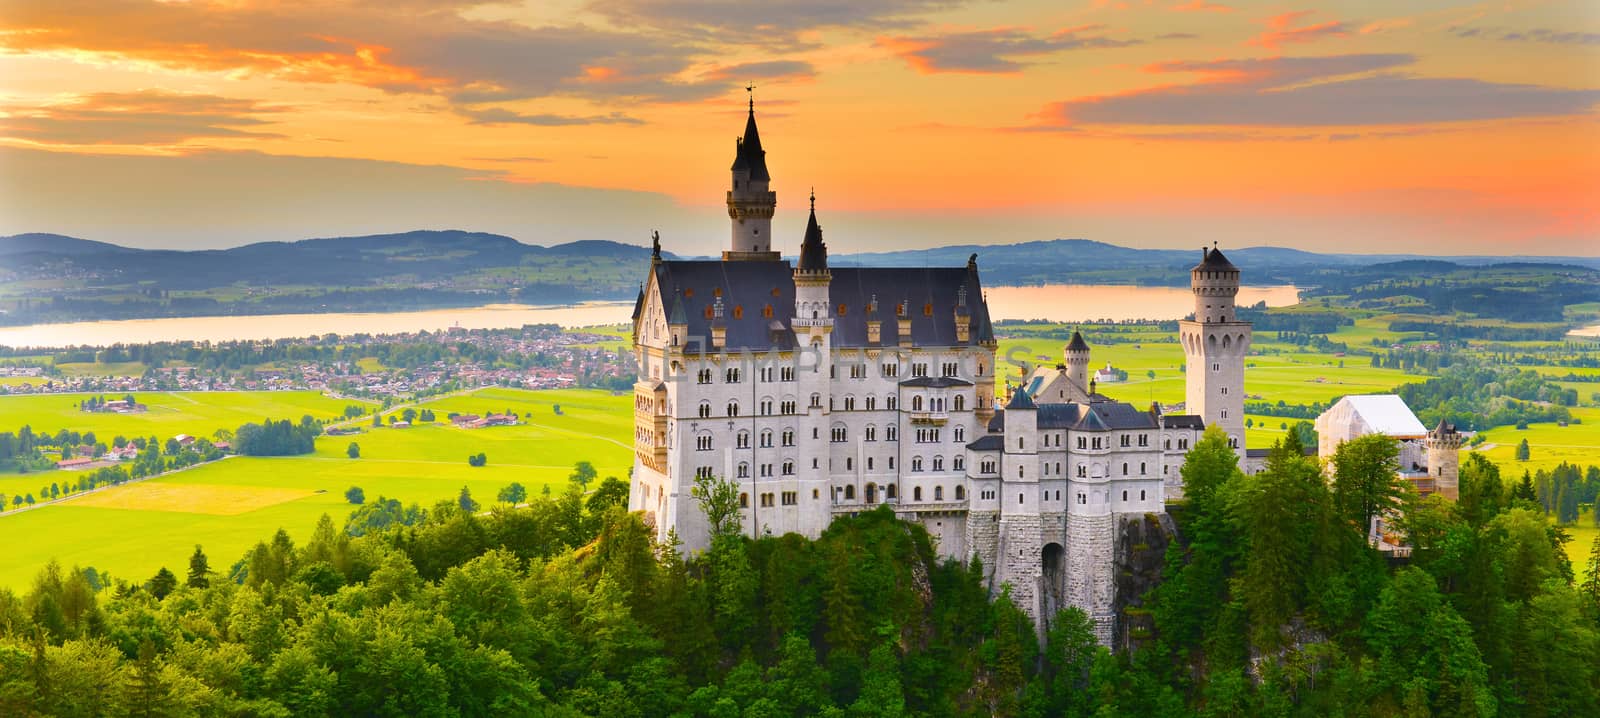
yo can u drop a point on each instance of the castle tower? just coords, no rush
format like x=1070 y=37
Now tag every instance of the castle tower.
x=1215 y=344
x=750 y=202
x=1444 y=459
x=813 y=333
x=1021 y=553
x=1077 y=356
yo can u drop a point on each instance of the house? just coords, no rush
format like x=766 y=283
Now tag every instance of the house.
x=464 y=419
x=499 y=420
x=81 y=462
x=184 y=439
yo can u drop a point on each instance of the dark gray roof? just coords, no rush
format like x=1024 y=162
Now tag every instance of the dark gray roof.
x=1256 y=453
x=1099 y=416
x=1183 y=421
x=813 y=253
x=1077 y=344
x=749 y=288
x=988 y=442
x=750 y=156
x=936 y=382
x=1444 y=427
x=638 y=304
x=1211 y=260
x=1021 y=400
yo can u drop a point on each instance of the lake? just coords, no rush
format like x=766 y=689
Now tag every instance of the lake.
x=1056 y=302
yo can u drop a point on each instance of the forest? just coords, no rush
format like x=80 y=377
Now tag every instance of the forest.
x=1272 y=603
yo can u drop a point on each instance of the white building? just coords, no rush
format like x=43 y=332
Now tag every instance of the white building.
x=1430 y=460
x=825 y=391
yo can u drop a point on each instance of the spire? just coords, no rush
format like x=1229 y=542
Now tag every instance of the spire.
x=813 y=253
x=1077 y=344
x=750 y=156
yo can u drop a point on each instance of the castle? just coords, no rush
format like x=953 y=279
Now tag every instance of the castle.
x=826 y=391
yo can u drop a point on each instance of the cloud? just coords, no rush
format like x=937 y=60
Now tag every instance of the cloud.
x=780 y=22
x=1178 y=36
x=1281 y=30
x=992 y=51
x=1536 y=35
x=410 y=46
x=500 y=116
x=1201 y=6
x=769 y=71
x=144 y=117
x=1336 y=90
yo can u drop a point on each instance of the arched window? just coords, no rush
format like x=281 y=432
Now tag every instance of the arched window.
x=916 y=463
x=1124 y=468
x=916 y=403
x=938 y=493
x=961 y=493
x=916 y=493
x=744 y=501
x=888 y=491
x=733 y=408
x=850 y=493
x=961 y=403
x=960 y=463
x=938 y=463
x=705 y=409
x=744 y=470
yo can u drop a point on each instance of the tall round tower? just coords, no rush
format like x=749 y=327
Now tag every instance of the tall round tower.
x=1444 y=460
x=751 y=202
x=1077 y=356
x=1215 y=344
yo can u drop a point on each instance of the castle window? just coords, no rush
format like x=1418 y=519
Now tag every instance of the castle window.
x=733 y=408
x=688 y=292
x=1019 y=442
x=702 y=442
x=708 y=311
x=786 y=373
x=892 y=402
x=891 y=433
x=869 y=463
x=731 y=376
x=960 y=463
x=891 y=463
x=849 y=403
x=1124 y=468
x=1224 y=413
x=961 y=403
x=872 y=402
x=916 y=403
x=1019 y=498
x=766 y=311
x=919 y=369
x=1083 y=471
x=850 y=493
x=1083 y=499
x=1141 y=495
x=816 y=401
x=766 y=406
x=705 y=409
x=1019 y=472
x=927 y=309
x=743 y=440
x=788 y=437
x=791 y=498
x=703 y=376
x=891 y=369
x=849 y=464
x=916 y=463
x=871 y=433
x=841 y=309
x=766 y=500
x=1224 y=390
x=766 y=438
x=1141 y=468
x=839 y=435
x=786 y=408
x=788 y=468
x=738 y=311
x=916 y=493
x=961 y=434
x=889 y=492
x=744 y=470
x=1127 y=441
x=744 y=501
x=938 y=493
x=938 y=463
x=1124 y=496
x=961 y=493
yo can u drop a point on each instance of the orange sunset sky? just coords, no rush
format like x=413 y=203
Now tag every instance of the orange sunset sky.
x=1364 y=126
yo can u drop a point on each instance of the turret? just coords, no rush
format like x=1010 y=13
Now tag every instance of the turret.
x=874 y=322
x=1077 y=356
x=812 y=309
x=678 y=322
x=902 y=317
x=963 y=317
x=750 y=203
x=1444 y=459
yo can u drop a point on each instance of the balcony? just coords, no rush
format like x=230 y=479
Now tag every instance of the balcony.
x=930 y=418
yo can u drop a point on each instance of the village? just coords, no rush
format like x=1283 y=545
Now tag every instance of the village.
x=382 y=367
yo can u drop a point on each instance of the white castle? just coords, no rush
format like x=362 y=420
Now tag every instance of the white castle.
x=826 y=391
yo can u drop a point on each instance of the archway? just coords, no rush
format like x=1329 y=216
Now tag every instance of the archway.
x=1054 y=559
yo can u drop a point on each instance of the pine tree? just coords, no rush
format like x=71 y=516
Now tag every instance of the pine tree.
x=199 y=569
x=1522 y=451
x=162 y=583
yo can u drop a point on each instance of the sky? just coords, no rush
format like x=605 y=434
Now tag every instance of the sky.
x=1392 y=126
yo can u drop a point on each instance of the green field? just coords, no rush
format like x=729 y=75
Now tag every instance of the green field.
x=133 y=530
x=195 y=413
x=1548 y=444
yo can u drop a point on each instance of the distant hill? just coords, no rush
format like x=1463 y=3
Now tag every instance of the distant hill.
x=452 y=268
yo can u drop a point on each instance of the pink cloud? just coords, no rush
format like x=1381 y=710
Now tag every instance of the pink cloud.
x=1281 y=30
x=1201 y=6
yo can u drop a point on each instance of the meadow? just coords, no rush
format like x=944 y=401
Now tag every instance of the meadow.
x=228 y=506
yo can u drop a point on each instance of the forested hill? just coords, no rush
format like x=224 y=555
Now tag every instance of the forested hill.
x=70 y=279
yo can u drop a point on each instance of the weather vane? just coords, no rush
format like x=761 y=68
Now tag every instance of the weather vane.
x=751 y=88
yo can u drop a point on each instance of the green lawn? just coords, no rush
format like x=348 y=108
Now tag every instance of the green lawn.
x=422 y=464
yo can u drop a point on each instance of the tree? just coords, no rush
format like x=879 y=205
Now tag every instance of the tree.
x=478 y=459
x=611 y=492
x=377 y=420
x=466 y=502
x=409 y=415
x=162 y=583
x=355 y=495
x=199 y=569
x=1366 y=482
x=719 y=501
x=583 y=472
x=514 y=493
x=1522 y=450
x=353 y=450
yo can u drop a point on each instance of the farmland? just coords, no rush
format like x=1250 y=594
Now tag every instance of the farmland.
x=227 y=506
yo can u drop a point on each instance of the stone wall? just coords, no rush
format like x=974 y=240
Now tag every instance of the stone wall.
x=1020 y=563
x=983 y=539
x=1090 y=586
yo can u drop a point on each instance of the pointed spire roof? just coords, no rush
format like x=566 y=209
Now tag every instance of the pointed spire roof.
x=1444 y=427
x=750 y=156
x=1021 y=400
x=1077 y=344
x=813 y=253
x=677 y=315
x=1211 y=259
